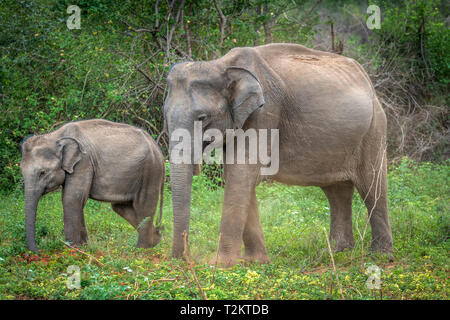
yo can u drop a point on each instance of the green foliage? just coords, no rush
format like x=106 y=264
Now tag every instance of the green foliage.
x=293 y=219
x=215 y=175
x=415 y=33
x=45 y=72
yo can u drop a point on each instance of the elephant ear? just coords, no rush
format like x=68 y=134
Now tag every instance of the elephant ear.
x=70 y=151
x=246 y=94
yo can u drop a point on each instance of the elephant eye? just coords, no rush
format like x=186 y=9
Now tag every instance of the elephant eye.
x=201 y=117
x=42 y=173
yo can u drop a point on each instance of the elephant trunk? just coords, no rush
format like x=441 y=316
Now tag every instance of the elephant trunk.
x=181 y=181
x=31 y=202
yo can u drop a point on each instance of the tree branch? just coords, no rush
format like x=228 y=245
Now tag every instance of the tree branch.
x=223 y=22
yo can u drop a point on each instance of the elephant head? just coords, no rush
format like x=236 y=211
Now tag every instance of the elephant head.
x=220 y=94
x=45 y=162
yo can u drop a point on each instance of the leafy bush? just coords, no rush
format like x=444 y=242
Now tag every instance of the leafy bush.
x=413 y=32
x=412 y=75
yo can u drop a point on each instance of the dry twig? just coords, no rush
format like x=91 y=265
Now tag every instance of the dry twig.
x=81 y=251
x=332 y=261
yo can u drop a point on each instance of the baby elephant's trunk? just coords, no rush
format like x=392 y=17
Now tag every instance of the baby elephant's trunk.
x=31 y=202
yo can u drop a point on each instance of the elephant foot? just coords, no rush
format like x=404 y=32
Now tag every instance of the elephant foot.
x=147 y=243
x=385 y=248
x=149 y=239
x=76 y=244
x=83 y=236
x=343 y=245
x=256 y=257
x=33 y=248
x=342 y=241
x=261 y=260
x=81 y=241
x=224 y=261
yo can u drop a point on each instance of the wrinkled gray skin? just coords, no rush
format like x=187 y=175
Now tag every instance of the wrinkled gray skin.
x=332 y=133
x=95 y=159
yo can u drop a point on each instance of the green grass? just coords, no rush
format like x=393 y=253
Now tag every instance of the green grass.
x=293 y=219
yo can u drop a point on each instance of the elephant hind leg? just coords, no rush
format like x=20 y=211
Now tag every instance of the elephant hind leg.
x=145 y=208
x=146 y=232
x=372 y=186
x=126 y=211
x=340 y=198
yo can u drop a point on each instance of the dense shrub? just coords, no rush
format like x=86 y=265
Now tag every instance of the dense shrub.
x=412 y=76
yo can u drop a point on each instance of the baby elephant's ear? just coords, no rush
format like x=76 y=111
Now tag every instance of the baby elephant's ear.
x=70 y=152
x=246 y=94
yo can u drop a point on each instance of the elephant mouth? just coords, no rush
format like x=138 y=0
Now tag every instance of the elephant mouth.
x=214 y=142
x=48 y=190
x=207 y=143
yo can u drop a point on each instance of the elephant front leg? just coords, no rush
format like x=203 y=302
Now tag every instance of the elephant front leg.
x=74 y=201
x=240 y=220
x=231 y=231
x=74 y=225
x=83 y=230
x=255 y=248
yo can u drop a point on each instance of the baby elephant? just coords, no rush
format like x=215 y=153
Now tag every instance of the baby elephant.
x=95 y=159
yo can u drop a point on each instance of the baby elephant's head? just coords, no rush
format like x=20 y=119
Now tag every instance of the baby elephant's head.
x=45 y=162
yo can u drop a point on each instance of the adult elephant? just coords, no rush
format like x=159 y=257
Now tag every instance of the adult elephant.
x=332 y=132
